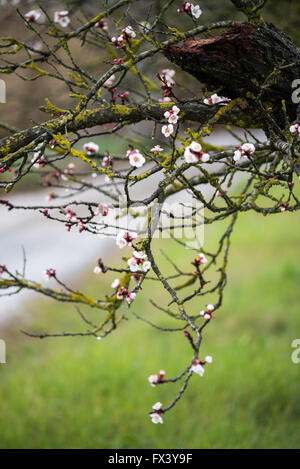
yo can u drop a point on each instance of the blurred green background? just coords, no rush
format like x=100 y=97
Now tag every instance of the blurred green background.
x=85 y=393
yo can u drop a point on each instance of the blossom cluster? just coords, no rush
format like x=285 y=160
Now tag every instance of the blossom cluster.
x=191 y=9
x=243 y=150
x=156 y=415
x=71 y=217
x=198 y=365
x=166 y=77
x=91 y=148
x=172 y=115
x=109 y=84
x=139 y=262
x=127 y=33
x=102 y=209
x=38 y=160
x=193 y=153
x=124 y=238
x=215 y=99
x=158 y=378
x=102 y=24
x=122 y=294
x=201 y=259
x=208 y=313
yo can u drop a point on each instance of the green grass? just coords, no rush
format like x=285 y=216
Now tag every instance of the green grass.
x=84 y=393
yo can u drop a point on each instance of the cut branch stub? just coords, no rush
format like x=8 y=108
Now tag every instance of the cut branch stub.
x=240 y=61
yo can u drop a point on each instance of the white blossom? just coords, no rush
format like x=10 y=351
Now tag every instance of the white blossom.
x=146 y=266
x=133 y=264
x=173 y=118
x=124 y=238
x=137 y=262
x=129 y=32
x=90 y=148
x=36 y=159
x=193 y=153
x=196 y=11
x=157 y=406
x=156 y=418
x=136 y=158
x=167 y=130
x=62 y=17
x=115 y=283
x=172 y=115
x=202 y=259
x=189 y=156
x=169 y=74
x=165 y=99
x=215 y=99
x=110 y=80
x=34 y=16
x=153 y=380
x=102 y=24
x=295 y=128
x=237 y=155
x=120 y=241
x=139 y=254
x=205 y=157
x=130 y=297
x=195 y=146
x=245 y=150
x=197 y=368
x=156 y=149
x=205 y=314
x=248 y=148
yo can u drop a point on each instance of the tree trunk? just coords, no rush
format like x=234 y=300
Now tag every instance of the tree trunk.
x=241 y=61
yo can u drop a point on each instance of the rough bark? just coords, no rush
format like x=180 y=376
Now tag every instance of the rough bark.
x=241 y=61
x=124 y=114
